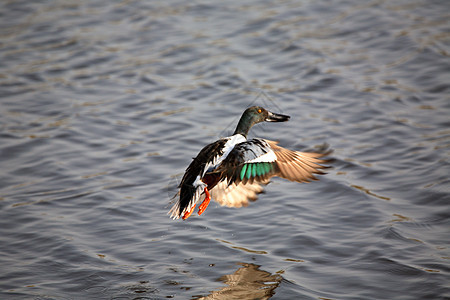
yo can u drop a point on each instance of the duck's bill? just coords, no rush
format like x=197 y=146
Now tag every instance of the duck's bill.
x=273 y=117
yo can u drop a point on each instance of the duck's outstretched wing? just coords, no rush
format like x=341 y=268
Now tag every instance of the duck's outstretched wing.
x=257 y=160
x=298 y=166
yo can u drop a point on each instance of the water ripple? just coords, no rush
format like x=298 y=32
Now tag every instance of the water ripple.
x=105 y=103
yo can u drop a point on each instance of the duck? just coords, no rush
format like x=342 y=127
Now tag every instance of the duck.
x=234 y=169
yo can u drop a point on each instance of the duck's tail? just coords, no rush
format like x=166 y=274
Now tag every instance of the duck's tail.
x=189 y=197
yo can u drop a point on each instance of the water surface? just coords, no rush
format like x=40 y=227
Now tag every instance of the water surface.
x=103 y=104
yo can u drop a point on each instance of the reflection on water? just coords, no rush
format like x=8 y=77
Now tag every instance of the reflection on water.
x=248 y=282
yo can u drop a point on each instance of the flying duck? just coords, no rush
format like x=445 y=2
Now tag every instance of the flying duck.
x=231 y=170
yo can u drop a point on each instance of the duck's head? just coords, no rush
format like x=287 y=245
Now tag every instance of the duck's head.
x=257 y=114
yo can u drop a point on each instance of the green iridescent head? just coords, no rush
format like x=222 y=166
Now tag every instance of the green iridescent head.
x=254 y=115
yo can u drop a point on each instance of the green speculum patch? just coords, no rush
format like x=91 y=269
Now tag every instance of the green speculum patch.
x=255 y=169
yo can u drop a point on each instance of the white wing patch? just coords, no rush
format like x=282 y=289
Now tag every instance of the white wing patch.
x=268 y=157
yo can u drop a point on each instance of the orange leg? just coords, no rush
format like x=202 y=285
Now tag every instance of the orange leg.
x=188 y=213
x=205 y=202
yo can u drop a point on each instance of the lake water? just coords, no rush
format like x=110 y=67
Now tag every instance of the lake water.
x=103 y=104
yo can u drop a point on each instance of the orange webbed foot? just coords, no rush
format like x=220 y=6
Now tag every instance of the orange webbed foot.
x=188 y=213
x=205 y=202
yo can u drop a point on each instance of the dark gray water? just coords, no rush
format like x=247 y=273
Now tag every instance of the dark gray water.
x=104 y=103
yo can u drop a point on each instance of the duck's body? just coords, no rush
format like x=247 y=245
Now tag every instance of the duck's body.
x=232 y=169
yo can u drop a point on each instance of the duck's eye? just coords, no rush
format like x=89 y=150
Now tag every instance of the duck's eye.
x=259 y=111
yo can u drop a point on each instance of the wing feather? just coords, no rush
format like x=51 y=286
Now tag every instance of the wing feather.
x=236 y=194
x=252 y=163
x=258 y=160
x=298 y=166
